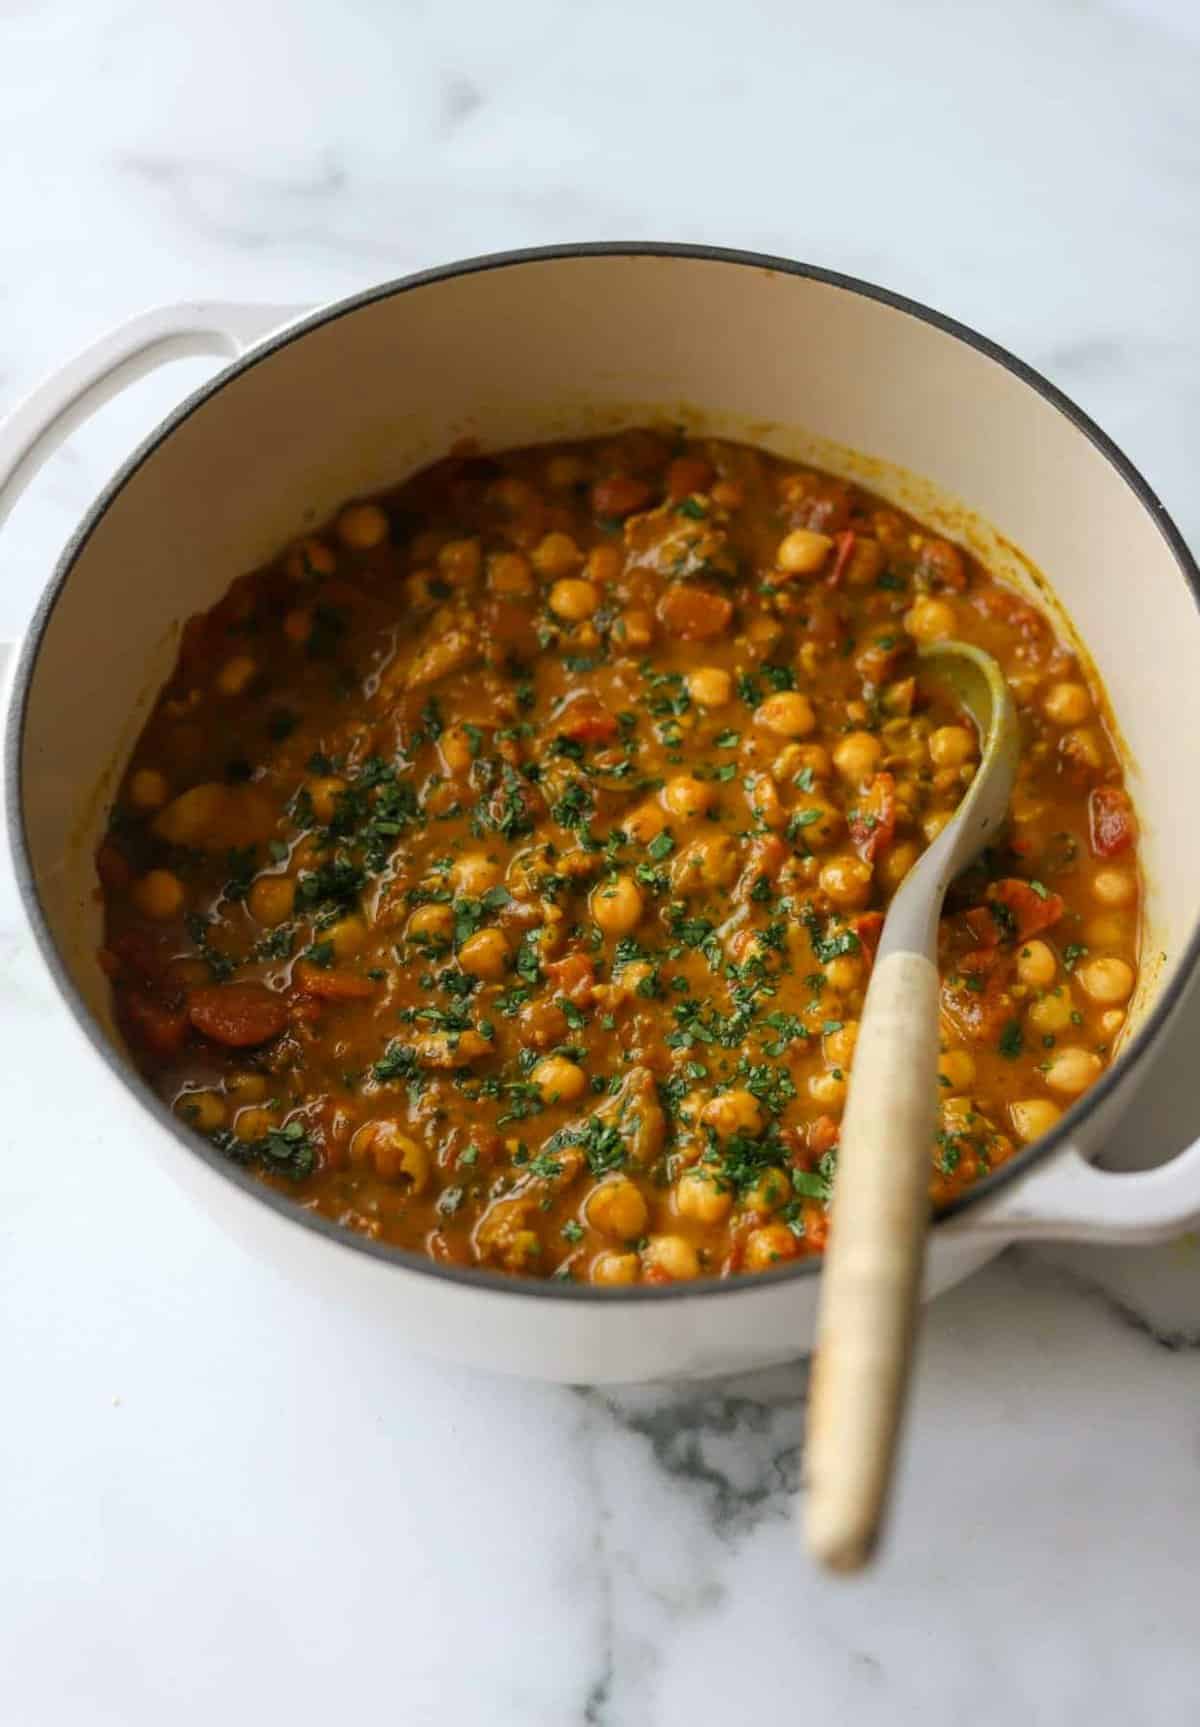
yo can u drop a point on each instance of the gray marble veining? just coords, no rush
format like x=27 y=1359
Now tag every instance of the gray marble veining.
x=219 y=1500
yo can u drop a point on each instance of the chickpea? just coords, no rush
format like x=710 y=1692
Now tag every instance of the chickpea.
x=253 y=1123
x=308 y=558
x=559 y=1080
x=617 y=1208
x=956 y=1070
x=865 y=563
x=485 y=955
x=802 y=552
x=236 y=675
x=1051 y=1014
x=617 y=905
x=844 y=973
x=613 y=1268
x=509 y=574
x=644 y=823
x=731 y=1112
x=672 y=1256
x=839 y=1045
x=634 y=629
x=1032 y=1117
x=603 y=564
x=772 y=1189
x=787 y=713
x=1067 y=704
x=1083 y=747
x=362 y=527
x=247 y=1087
x=474 y=873
x=952 y=747
x=711 y=862
x=393 y=1155
x=572 y=599
x=556 y=555
x=564 y=472
x=459 y=562
x=1036 y=965
x=692 y=1107
x=1113 y=887
x=934 y=822
x=687 y=797
x=1108 y=982
x=819 y=823
x=431 y=923
x=347 y=936
x=765 y=804
x=1112 y=1021
x=324 y=794
x=895 y=864
x=298 y=626
x=768 y=1246
x=930 y=620
x=634 y=974
x=813 y=758
x=203 y=1110
x=1072 y=1070
x=709 y=686
x=700 y=1196
x=148 y=789
x=512 y=494
x=456 y=750
x=847 y=881
x=1104 y=931
x=856 y=756
x=828 y=1089
x=159 y=894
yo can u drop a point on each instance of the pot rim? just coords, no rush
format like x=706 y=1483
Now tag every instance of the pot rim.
x=405 y=1259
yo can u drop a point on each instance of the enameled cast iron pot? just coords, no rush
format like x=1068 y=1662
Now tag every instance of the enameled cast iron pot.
x=534 y=345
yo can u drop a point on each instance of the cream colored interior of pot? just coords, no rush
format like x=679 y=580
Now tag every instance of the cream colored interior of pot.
x=540 y=350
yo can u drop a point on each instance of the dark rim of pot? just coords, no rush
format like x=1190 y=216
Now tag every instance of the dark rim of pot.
x=552 y=1288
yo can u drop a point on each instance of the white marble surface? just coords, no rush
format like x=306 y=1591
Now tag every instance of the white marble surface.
x=218 y=1499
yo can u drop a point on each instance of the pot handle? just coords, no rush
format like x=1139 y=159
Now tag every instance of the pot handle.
x=39 y=424
x=1068 y=1200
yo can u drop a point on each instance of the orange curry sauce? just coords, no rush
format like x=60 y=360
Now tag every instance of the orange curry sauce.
x=500 y=871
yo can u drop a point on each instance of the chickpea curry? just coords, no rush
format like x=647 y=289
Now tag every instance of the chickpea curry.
x=500 y=871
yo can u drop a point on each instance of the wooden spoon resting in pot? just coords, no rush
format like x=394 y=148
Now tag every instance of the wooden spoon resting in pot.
x=870 y=1285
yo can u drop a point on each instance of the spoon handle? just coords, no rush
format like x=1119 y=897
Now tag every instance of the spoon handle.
x=872 y=1275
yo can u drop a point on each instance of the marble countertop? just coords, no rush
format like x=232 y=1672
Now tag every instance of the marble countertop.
x=221 y=1500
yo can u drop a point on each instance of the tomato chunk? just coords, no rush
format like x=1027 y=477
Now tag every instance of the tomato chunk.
x=696 y=614
x=619 y=495
x=329 y=985
x=942 y=562
x=688 y=474
x=586 y=720
x=1112 y=820
x=845 y=548
x=160 y=1028
x=823 y=1134
x=238 y=1015
x=573 y=976
x=1031 y=909
x=868 y=927
x=975 y=996
x=873 y=823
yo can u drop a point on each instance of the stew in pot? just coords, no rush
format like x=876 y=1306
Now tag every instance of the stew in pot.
x=500 y=870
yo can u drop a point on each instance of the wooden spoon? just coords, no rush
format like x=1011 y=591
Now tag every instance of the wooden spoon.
x=870 y=1285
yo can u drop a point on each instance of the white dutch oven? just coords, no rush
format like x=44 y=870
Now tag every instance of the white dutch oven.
x=536 y=345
